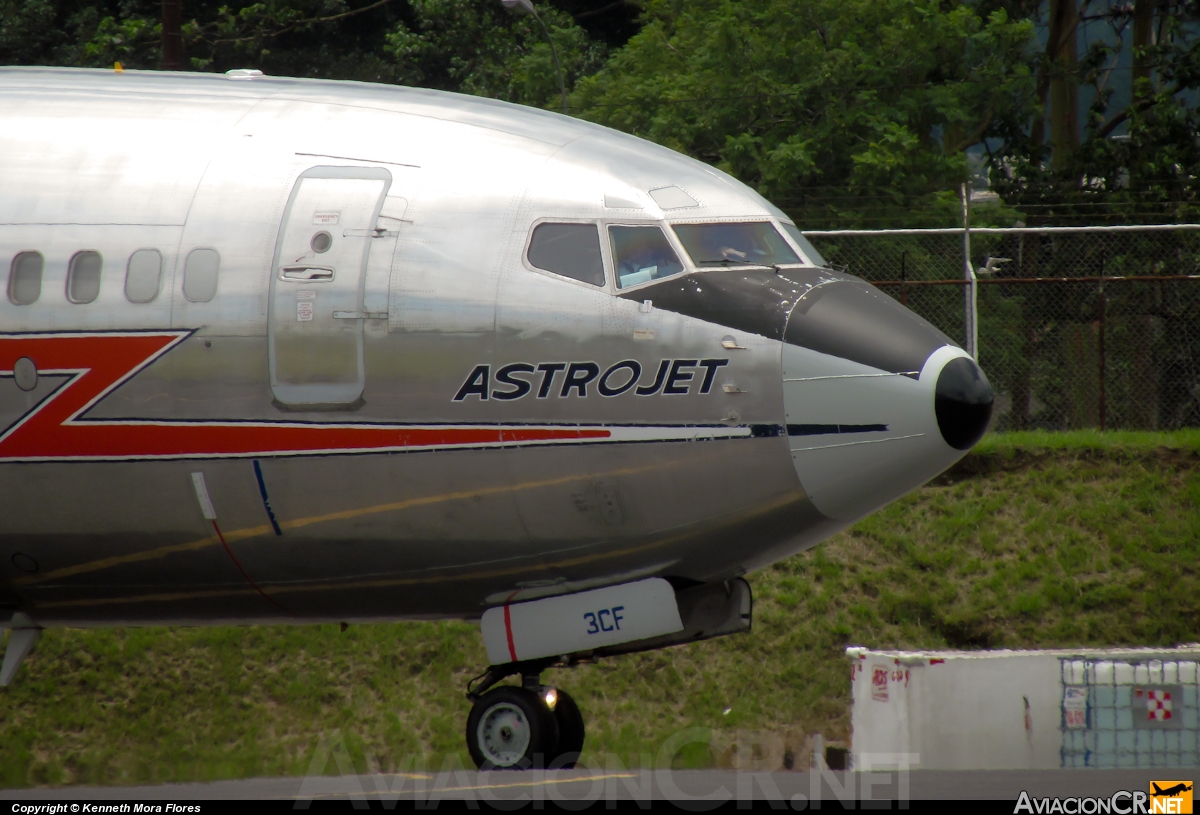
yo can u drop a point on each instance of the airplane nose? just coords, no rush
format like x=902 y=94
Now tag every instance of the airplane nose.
x=861 y=437
x=877 y=400
x=962 y=403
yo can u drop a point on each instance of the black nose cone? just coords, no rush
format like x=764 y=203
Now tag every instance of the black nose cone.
x=963 y=403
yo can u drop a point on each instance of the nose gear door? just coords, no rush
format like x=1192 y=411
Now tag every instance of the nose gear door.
x=315 y=325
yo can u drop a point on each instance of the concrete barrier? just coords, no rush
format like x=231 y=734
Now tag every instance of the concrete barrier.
x=993 y=710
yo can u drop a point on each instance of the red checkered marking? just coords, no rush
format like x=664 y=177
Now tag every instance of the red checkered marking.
x=1158 y=704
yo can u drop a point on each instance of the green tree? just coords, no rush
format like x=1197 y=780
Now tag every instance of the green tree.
x=49 y=32
x=875 y=100
x=1132 y=155
x=479 y=48
x=471 y=46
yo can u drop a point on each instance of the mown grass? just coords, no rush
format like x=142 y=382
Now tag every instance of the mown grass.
x=1112 y=442
x=1035 y=540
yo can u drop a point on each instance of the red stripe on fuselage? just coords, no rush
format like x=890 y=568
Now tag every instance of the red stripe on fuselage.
x=512 y=649
x=98 y=363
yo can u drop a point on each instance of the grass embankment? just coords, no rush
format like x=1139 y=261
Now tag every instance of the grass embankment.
x=1034 y=540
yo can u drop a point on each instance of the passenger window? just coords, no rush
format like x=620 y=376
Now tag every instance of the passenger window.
x=200 y=275
x=25 y=278
x=143 y=275
x=83 y=277
x=571 y=250
x=641 y=254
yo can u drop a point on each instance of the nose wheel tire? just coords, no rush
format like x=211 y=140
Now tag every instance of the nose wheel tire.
x=512 y=728
x=570 y=731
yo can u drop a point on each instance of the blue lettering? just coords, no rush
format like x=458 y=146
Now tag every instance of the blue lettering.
x=519 y=386
x=635 y=372
x=517 y=380
x=548 y=369
x=578 y=377
x=660 y=377
x=678 y=376
x=597 y=622
x=476 y=384
x=710 y=370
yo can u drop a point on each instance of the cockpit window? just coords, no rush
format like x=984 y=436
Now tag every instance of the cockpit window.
x=753 y=244
x=805 y=245
x=571 y=250
x=642 y=254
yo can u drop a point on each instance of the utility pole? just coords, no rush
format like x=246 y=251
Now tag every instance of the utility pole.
x=172 y=35
x=971 y=289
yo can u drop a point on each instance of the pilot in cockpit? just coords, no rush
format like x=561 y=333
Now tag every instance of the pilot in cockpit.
x=643 y=254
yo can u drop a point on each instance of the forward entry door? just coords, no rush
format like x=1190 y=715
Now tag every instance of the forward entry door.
x=316 y=311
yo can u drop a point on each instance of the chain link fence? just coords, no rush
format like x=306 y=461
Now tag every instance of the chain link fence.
x=1077 y=327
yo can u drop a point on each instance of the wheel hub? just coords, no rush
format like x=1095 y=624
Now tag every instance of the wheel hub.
x=503 y=734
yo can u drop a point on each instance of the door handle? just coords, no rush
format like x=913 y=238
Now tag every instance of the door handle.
x=306 y=273
x=369 y=233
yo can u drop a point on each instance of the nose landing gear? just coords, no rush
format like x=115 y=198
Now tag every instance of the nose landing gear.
x=539 y=726
x=531 y=726
x=511 y=728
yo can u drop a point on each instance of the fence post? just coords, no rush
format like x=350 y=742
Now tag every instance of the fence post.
x=1103 y=309
x=971 y=298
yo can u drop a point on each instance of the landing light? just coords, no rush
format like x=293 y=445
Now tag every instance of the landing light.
x=550 y=695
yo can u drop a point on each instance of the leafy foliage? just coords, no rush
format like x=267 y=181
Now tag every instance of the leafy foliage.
x=461 y=45
x=875 y=99
x=478 y=48
x=1136 y=156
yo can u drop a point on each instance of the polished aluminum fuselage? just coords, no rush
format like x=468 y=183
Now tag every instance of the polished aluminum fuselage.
x=685 y=486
